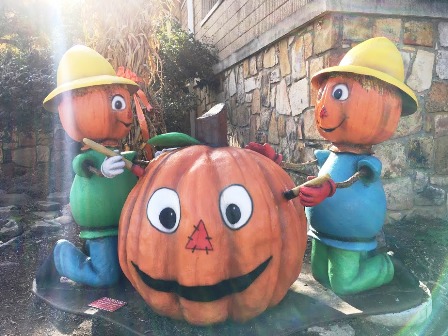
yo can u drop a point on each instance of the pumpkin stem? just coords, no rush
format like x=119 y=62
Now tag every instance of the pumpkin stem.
x=211 y=128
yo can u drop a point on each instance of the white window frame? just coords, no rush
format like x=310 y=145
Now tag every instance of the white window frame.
x=211 y=11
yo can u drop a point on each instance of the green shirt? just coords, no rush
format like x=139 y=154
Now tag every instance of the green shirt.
x=96 y=201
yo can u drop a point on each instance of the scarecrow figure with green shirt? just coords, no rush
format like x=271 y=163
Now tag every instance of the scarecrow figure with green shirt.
x=94 y=103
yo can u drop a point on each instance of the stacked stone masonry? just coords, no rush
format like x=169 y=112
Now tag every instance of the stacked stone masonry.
x=270 y=99
x=37 y=157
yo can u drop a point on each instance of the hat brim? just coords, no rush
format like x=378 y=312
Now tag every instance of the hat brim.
x=409 y=100
x=51 y=102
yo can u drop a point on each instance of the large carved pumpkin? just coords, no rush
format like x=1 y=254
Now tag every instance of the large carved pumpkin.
x=206 y=234
x=356 y=109
x=98 y=112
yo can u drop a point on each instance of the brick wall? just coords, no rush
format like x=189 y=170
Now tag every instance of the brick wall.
x=270 y=100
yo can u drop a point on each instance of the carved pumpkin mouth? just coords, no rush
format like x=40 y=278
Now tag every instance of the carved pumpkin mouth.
x=204 y=293
x=329 y=130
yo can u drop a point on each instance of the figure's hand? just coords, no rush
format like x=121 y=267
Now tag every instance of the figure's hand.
x=266 y=150
x=313 y=195
x=112 y=166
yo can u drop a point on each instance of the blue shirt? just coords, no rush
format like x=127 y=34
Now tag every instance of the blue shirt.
x=353 y=216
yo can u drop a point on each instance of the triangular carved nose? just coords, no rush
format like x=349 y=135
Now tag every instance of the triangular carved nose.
x=199 y=239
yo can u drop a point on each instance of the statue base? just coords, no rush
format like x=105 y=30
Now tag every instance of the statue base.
x=401 y=302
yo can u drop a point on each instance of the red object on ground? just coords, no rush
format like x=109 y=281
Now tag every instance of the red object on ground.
x=107 y=304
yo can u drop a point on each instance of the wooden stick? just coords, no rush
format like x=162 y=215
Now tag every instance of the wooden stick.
x=294 y=192
x=106 y=151
x=135 y=169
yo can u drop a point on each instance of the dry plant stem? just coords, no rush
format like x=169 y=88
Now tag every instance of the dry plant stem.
x=296 y=167
x=95 y=171
x=352 y=179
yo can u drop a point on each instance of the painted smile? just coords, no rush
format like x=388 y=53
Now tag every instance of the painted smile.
x=329 y=130
x=125 y=124
x=204 y=293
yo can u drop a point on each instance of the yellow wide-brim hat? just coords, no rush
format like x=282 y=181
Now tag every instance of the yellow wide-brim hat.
x=82 y=67
x=377 y=57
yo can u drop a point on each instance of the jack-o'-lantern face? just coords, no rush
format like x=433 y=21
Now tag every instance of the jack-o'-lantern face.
x=206 y=234
x=99 y=112
x=357 y=110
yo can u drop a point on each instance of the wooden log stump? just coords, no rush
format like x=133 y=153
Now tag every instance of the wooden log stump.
x=211 y=128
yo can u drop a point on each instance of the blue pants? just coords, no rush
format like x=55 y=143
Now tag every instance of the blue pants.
x=100 y=267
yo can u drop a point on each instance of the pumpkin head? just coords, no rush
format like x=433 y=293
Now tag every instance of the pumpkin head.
x=357 y=110
x=207 y=235
x=98 y=112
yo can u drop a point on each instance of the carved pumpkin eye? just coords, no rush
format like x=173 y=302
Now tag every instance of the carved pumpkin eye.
x=236 y=206
x=118 y=103
x=163 y=210
x=340 y=92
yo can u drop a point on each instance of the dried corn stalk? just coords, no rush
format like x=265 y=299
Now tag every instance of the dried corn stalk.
x=124 y=33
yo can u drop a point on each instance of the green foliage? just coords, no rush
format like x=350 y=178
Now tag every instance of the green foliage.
x=184 y=61
x=27 y=72
x=26 y=77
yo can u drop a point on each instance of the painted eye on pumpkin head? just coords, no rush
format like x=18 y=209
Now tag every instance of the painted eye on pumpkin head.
x=163 y=210
x=236 y=206
x=118 y=103
x=340 y=92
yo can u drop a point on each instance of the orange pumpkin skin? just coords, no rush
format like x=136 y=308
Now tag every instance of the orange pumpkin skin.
x=89 y=113
x=275 y=234
x=367 y=117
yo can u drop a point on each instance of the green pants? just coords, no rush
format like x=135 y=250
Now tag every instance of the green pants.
x=349 y=272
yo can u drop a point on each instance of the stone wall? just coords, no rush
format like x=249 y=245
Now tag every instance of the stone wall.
x=270 y=100
x=36 y=163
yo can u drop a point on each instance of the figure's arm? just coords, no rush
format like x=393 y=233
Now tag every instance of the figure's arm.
x=88 y=164
x=266 y=150
x=114 y=163
x=313 y=194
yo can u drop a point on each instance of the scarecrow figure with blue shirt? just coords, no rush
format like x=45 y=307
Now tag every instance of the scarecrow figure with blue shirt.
x=359 y=104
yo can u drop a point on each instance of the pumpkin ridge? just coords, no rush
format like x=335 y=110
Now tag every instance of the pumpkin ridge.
x=141 y=209
x=263 y=167
x=201 y=180
x=240 y=160
x=276 y=181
